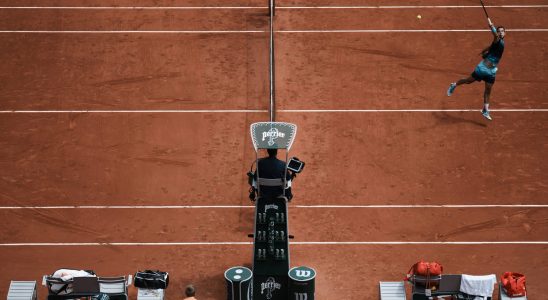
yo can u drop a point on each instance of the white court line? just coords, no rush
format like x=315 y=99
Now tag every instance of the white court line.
x=407 y=30
x=265 y=7
x=263 y=111
x=410 y=110
x=291 y=206
x=291 y=243
x=263 y=31
x=135 y=31
x=428 y=206
x=130 y=207
x=134 y=111
x=426 y=243
x=410 y=6
x=136 y=7
x=129 y=244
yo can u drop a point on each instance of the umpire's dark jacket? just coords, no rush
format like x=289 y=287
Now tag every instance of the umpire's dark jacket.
x=271 y=167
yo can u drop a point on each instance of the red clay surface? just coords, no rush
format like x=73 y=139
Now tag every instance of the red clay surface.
x=92 y=159
x=337 y=225
x=353 y=158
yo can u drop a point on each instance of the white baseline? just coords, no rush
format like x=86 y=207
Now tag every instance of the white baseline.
x=411 y=6
x=264 y=31
x=136 y=7
x=264 y=111
x=265 y=7
x=373 y=206
x=291 y=243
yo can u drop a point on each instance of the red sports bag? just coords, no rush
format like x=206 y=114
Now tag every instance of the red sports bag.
x=513 y=284
x=423 y=268
x=426 y=270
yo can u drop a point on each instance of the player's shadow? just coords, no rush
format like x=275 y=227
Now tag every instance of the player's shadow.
x=456 y=118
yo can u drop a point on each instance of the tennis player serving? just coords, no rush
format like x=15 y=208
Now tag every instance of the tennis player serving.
x=486 y=70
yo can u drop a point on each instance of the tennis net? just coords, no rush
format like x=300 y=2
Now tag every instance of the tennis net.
x=271 y=9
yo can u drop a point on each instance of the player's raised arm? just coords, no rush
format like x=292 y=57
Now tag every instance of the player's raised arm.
x=493 y=29
x=491 y=26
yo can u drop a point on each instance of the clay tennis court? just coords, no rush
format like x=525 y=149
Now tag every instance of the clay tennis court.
x=124 y=139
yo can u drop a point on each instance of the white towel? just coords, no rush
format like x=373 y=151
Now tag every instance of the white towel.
x=67 y=275
x=480 y=286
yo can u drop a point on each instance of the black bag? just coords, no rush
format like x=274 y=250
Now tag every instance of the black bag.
x=150 y=279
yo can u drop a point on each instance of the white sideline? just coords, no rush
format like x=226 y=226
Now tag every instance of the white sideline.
x=410 y=6
x=291 y=206
x=407 y=30
x=264 y=31
x=414 y=110
x=265 y=7
x=135 y=111
x=134 y=31
x=291 y=243
x=264 y=111
x=135 y=7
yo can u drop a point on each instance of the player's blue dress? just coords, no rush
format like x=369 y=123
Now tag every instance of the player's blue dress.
x=494 y=54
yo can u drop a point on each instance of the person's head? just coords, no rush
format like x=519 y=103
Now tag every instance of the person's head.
x=272 y=152
x=190 y=290
x=501 y=32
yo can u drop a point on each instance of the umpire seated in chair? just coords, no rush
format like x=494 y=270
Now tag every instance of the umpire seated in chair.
x=271 y=172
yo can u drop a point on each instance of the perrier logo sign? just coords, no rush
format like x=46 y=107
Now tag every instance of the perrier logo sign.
x=269 y=287
x=272 y=134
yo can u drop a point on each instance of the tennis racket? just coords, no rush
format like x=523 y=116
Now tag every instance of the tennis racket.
x=485 y=11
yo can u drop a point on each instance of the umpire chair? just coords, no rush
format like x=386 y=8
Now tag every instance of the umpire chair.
x=271 y=247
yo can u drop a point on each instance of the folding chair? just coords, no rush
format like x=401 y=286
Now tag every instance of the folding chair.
x=148 y=294
x=503 y=296
x=77 y=287
x=114 y=287
x=392 y=290
x=57 y=288
x=22 y=290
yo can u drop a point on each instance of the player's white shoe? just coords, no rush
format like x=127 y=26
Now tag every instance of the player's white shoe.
x=485 y=114
x=451 y=89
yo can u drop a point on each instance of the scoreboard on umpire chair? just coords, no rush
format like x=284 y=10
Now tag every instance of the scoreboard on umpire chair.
x=271 y=251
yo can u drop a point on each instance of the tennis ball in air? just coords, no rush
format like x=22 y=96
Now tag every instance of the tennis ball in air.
x=419 y=17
